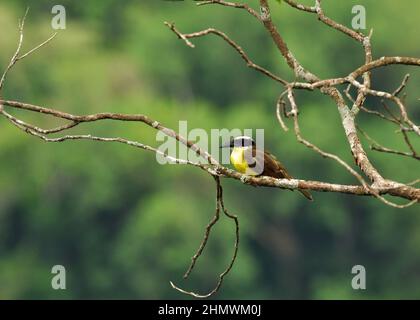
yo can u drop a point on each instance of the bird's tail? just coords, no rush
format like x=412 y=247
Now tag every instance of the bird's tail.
x=307 y=195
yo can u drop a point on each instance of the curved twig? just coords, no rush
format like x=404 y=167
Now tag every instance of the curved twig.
x=220 y=204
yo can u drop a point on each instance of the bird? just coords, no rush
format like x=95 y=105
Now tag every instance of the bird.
x=248 y=159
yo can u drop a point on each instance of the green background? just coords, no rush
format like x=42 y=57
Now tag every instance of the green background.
x=124 y=226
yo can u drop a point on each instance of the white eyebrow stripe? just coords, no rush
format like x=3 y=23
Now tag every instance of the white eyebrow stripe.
x=243 y=137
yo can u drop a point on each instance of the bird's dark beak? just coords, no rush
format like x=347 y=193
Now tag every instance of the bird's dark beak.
x=225 y=145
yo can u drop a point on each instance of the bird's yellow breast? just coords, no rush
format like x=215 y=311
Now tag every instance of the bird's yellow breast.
x=237 y=158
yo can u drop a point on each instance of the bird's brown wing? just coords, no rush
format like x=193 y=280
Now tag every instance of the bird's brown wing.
x=266 y=164
x=274 y=168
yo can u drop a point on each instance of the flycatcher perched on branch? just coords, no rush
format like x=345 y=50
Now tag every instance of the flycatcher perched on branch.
x=249 y=160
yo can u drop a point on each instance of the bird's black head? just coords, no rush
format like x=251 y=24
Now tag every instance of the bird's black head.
x=241 y=141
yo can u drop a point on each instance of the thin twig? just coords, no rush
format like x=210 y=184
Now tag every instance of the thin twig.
x=231 y=4
x=402 y=85
x=206 y=234
x=408 y=142
x=17 y=52
x=380 y=148
x=281 y=109
x=220 y=204
x=232 y=43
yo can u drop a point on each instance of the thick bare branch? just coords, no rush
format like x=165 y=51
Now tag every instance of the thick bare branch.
x=215 y=167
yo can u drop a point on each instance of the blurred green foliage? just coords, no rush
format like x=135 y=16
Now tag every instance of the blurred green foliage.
x=124 y=226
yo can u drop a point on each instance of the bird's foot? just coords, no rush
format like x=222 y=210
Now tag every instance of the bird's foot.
x=248 y=180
